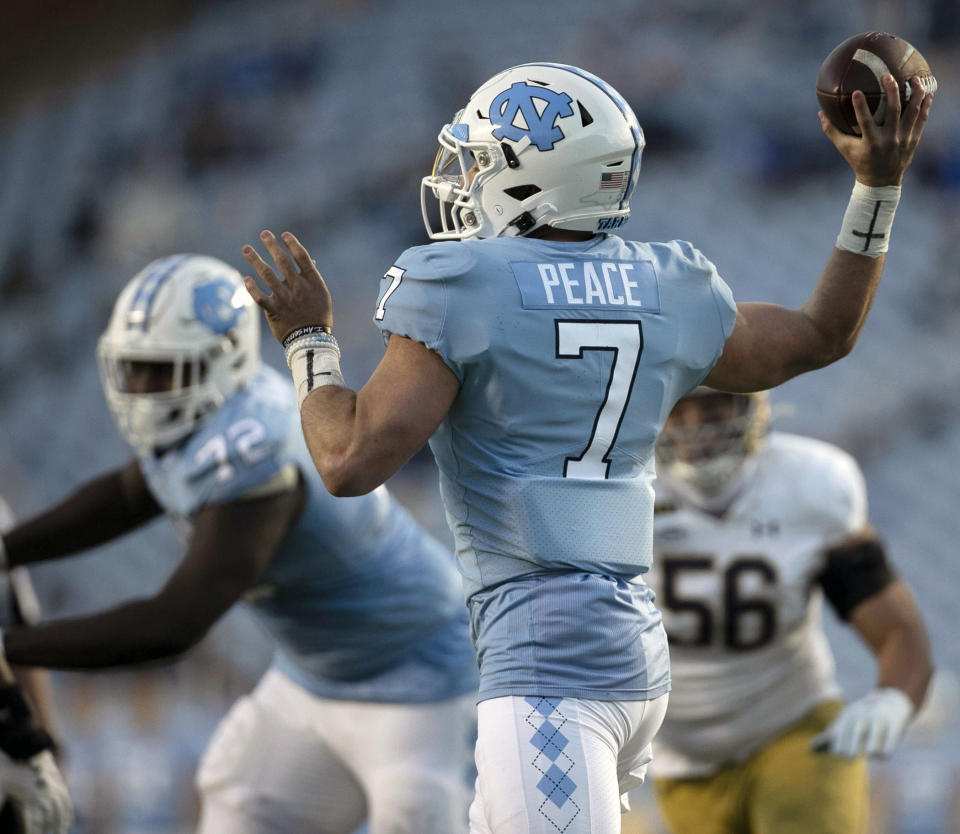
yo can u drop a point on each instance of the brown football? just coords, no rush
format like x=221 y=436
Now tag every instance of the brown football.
x=858 y=64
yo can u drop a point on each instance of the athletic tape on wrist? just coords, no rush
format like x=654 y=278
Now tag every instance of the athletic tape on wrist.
x=868 y=219
x=314 y=362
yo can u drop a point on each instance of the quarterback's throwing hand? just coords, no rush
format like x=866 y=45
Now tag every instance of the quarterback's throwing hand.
x=883 y=152
x=300 y=298
x=871 y=726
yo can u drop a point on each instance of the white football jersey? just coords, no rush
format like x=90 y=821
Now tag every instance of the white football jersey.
x=741 y=601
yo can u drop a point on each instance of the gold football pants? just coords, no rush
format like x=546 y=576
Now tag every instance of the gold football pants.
x=783 y=788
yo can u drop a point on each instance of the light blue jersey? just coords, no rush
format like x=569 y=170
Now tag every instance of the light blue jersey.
x=363 y=604
x=570 y=357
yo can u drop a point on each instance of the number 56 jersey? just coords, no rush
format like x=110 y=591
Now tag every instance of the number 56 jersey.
x=741 y=601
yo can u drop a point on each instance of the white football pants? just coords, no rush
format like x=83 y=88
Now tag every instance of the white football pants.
x=284 y=761
x=559 y=765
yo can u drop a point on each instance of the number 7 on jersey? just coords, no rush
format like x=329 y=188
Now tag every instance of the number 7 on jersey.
x=625 y=339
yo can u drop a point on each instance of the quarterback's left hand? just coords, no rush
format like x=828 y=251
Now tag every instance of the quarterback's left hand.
x=871 y=726
x=301 y=298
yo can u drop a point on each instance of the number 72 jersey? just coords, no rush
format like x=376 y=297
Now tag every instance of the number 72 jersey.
x=570 y=356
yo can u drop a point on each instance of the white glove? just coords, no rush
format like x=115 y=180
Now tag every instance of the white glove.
x=38 y=793
x=871 y=726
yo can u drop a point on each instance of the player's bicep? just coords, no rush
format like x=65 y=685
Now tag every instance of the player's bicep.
x=887 y=612
x=769 y=345
x=232 y=546
x=406 y=398
x=139 y=500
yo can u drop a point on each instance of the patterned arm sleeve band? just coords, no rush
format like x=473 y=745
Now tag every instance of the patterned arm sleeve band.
x=854 y=573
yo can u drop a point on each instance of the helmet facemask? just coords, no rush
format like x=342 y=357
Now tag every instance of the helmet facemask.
x=153 y=417
x=460 y=171
x=708 y=438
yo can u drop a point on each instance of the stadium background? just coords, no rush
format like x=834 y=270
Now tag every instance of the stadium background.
x=130 y=131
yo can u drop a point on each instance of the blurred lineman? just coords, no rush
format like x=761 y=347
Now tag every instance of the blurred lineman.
x=752 y=531
x=33 y=795
x=31 y=787
x=540 y=355
x=368 y=711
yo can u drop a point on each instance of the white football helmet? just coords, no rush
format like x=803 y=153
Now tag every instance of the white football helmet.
x=536 y=145
x=183 y=337
x=704 y=447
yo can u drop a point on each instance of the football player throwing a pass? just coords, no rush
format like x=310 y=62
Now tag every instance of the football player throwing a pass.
x=752 y=530
x=369 y=708
x=540 y=355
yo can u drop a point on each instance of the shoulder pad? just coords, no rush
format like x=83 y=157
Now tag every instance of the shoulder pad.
x=417 y=293
x=445 y=259
x=231 y=456
x=828 y=483
x=684 y=259
x=694 y=256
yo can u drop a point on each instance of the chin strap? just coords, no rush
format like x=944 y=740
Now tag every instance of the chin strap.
x=526 y=222
x=520 y=225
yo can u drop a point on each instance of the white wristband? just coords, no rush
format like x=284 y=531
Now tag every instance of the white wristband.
x=314 y=362
x=868 y=219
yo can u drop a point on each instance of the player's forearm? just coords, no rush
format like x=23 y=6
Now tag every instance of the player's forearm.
x=843 y=296
x=6 y=673
x=132 y=633
x=21 y=736
x=36 y=687
x=838 y=307
x=95 y=513
x=904 y=661
x=348 y=441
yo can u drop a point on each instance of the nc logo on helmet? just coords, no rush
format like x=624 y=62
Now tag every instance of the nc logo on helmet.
x=213 y=305
x=515 y=114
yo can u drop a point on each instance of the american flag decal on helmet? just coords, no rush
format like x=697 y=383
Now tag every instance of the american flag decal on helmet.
x=617 y=179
